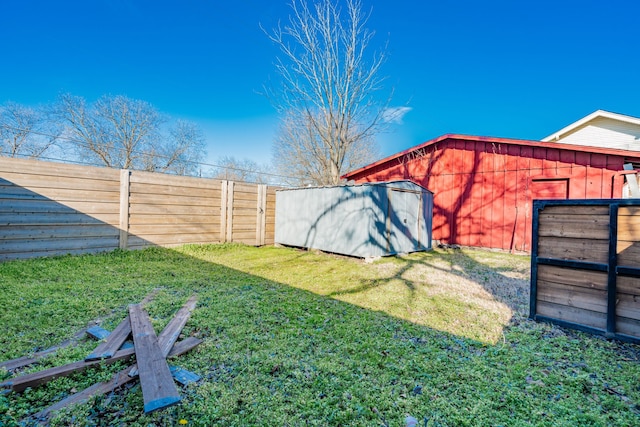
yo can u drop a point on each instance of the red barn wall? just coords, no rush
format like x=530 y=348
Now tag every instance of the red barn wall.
x=483 y=190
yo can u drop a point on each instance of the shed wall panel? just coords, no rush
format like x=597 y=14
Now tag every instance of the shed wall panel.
x=363 y=220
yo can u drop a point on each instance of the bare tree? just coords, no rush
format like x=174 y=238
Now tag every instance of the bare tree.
x=26 y=131
x=245 y=170
x=121 y=132
x=181 y=151
x=329 y=114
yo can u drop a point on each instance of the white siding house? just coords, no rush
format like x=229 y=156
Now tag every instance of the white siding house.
x=601 y=129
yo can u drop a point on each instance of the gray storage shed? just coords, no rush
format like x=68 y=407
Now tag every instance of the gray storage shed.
x=365 y=220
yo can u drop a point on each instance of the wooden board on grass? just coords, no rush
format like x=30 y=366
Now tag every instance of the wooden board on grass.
x=158 y=389
x=113 y=341
x=118 y=380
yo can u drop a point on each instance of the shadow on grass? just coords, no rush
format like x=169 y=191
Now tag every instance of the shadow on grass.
x=459 y=291
x=274 y=354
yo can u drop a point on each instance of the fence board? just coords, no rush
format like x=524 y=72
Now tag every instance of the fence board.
x=49 y=209
x=140 y=177
x=51 y=252
x=576 y=210
x=171 y=239
x=629 y=210
x=574 y=249
x=573 y=277
x=241 y=187
x=572 y=314
x=167 y=190
x=576 y=230
x=42 y=183
x=629 y=254
x=628 y=285
x=181 y=200
x=16 y=192
x=58 y=231
x=48 y=206
x=141 y=219
x=245 y=197
x=166 y=210
x=629 y=327
x=57 y=219
x=573 y=296
x=37 y=167
x=95 y=242
x=589 y=284
x=142 y=230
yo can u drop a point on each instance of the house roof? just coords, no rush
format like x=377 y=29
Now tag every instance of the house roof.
x=591 y=117
x=521 y=142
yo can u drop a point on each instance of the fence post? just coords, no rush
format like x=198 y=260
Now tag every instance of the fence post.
x=229 y=234
x=223 y=211
x=125 y=184
x=261 y=209
x=612 y=271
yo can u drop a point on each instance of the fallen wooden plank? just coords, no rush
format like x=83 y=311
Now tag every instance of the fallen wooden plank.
x=171 y=332
x=158 y=389
x=118 y=380
x=113 y=342
x=22 y=382
x=183 y=376
x=21 y=362
x=97 y=333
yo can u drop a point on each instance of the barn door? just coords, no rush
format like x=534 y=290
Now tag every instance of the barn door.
x=544 y=189
x=404 y=218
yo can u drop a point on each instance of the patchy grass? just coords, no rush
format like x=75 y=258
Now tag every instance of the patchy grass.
x=300 y=338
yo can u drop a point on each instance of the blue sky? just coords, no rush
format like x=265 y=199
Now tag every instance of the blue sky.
x=519 y=69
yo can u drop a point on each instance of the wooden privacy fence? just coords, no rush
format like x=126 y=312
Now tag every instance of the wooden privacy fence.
x=585 y=266
x=53 y=208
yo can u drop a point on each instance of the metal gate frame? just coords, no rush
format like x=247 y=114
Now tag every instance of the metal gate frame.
x=611 y=267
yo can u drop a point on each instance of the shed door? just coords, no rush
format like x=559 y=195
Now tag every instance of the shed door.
x=404 y=221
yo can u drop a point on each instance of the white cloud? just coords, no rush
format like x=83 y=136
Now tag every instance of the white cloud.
x=395 y=114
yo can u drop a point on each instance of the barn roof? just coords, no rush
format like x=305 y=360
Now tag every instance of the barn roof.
x=590 y=118
x=633 y=155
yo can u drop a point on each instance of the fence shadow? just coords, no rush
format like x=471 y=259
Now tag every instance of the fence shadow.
x=34 y=225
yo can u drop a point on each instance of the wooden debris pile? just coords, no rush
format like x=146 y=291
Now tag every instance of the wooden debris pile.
x=150 y=367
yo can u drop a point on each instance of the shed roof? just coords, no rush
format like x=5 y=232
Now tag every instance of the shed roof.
x=402 y=184
x=521 y=142
x=590 y=118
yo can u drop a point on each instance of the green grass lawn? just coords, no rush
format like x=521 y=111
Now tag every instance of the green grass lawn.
x=294 y=338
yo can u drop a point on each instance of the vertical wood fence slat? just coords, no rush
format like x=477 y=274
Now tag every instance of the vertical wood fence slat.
x=223 y=211
x=612 y=293
x=229 y=224
x=125 y=183
x=260 y=214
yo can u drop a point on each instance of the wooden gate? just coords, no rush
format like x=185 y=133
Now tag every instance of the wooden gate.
x=585 y=265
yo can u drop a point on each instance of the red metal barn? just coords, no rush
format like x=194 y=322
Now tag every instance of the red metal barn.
x=483 y=187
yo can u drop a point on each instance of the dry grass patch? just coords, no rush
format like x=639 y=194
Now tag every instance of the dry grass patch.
x=469 y=292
